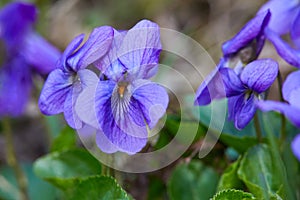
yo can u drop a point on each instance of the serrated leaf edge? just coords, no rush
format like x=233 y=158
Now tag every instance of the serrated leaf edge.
x=231 y=190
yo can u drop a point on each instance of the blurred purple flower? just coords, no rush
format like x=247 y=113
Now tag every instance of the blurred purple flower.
x=285 y=18
x=284 y=15
x=22 y=51
x=296 y=146
x=291 y=94
x=212 y=87
x=249 y=41
x=65 y=83
x=243 y=91
x=125 y=103
x=246 y=45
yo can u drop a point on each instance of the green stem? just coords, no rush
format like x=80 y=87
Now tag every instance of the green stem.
x=106 y=170
x=257 y=128
x=283 y=120
x=283 y=128
x=13 y=162
x=48 y=131
x=277 y=158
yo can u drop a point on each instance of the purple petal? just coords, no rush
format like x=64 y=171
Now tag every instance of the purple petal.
x=259 y=75
x=116 y=71
x=85 y=104
x=296 y=146
x=110 y=64
x=245 y=113
x=104 y=143
x=294 y=98
x=120 y=119
x=127 y=112
x=121 y=141
x=283 y=13
x=289 y=54
x=295 y=31
x=211 y=88
x=15 y=87
x=140 y=50
x=71 y=116
x=292 y=113
x=152 y=99
x=103 y=94
x=94 y=48
x=16 y=19
x=40 y=54
x=87 y=79
x=234 y=105
x=54 y=92
x=291 y=88
x=252 y=30
x=74 y=44
x=232 y=82
x=88 y=134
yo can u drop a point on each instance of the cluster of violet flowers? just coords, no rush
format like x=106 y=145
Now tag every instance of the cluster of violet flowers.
x=120 y=101
x=24 y=53
x=244 y=78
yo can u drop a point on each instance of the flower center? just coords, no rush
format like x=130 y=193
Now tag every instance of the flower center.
x=122 y=87
x=247 y=94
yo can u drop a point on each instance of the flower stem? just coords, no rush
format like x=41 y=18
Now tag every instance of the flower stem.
x=283 y=127
x=278 y=162
x=257 y=128
x=13 y=162
x=283 y=120
x=105 y=170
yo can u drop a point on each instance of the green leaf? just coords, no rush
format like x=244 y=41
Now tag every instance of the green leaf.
x=190 y=132
x=157 y=189
x=259 y=172
x=240 y=144
x=229 y=178
x=62 y=168
x=163 y=140
x=65 y=140
x=240 y=140
x=188 y=128
x=96 y=188
x=292 y=169
x=54 y=124
x=232 y=194
x=37 y=188
x=192 y=181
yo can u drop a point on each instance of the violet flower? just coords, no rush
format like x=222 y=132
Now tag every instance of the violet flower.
x=249 y=41
x=243 y=91
x=64 y=84
x=18 y=46
x=125 y=103
x=246 y=46
x=284 y=15
x=285 y=18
